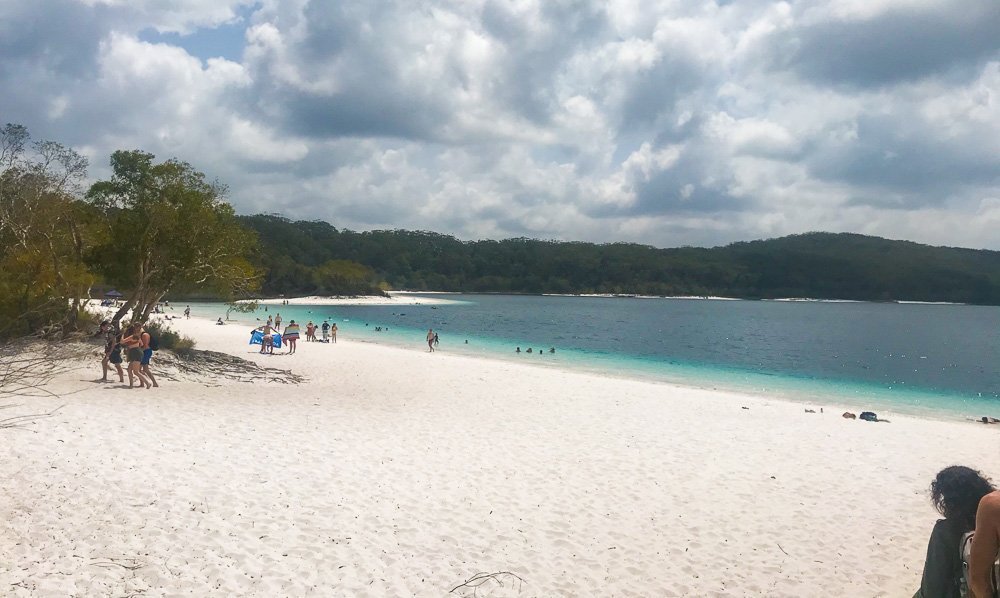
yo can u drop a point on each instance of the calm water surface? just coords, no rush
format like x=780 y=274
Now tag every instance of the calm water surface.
x=931 y=359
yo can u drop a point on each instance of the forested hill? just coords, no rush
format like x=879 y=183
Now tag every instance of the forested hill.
x=315 y=257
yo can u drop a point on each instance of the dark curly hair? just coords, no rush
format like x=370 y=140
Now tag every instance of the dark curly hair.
x=956 y=492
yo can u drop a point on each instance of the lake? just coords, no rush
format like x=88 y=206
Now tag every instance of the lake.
x=925 y=359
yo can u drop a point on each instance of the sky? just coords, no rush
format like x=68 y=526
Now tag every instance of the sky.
x=664 y=122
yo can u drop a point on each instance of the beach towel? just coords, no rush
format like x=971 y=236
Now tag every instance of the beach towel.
x=257 y=338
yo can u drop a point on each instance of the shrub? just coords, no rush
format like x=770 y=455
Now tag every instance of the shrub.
x=169 y=339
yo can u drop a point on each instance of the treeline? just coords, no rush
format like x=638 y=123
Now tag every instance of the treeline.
x=151 y=229
x=818 y=265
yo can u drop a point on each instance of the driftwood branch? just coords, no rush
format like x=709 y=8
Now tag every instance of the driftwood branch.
x=27 y=365
x=217 y=365
x=21 y=421
x=471 y=586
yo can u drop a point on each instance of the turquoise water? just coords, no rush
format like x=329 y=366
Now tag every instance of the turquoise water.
x=932 y=360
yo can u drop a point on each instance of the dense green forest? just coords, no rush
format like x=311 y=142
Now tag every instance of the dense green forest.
x=317 y=258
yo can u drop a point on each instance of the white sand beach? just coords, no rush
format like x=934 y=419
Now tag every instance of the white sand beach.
x=394 y=472
x=394 y=298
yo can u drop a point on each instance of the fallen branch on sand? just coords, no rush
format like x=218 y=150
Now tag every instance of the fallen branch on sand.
x=229 y=367
x=27 y=365
x=479 y=579
x=126 y=563
x=21 y=421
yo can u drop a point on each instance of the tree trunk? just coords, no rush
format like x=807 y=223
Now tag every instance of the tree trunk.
x=121 y=312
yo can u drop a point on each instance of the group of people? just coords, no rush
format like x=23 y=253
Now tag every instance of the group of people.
x=137 y=344
x=540 y=351
x=272 y=329
x=963 y=548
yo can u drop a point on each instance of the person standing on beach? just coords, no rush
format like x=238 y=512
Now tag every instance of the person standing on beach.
x=333 y=332
x=147 y=354
x=310 y=331
x=187 y=313
x=291 y=336
x=985 y=546
x=133 y=354
x=277 y=322
x=430 y=340
x=267 y=340
x=115 y=358
x=109 y=345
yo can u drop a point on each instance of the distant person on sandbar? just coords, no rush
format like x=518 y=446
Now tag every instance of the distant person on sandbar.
x=187 y=313
x=430 y=340
x=955 y=493
x=985 y=546
x=325 y=328
x=333 y=332
x=277 y=322
x=518 y=350
x=437 y=341
x=291 y=336
x=310 y=331
x=529 y=350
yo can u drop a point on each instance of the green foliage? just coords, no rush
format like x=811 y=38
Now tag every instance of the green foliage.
x=241 y=307
x=307 y=258
x=168 y=231
x=150 y=229
x=819 y=265
x=45 y=234
x=169 y=339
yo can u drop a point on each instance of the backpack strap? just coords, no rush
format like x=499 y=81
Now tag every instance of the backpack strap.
x=964 y=552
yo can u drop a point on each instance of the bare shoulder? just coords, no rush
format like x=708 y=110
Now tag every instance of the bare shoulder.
x=990 y=504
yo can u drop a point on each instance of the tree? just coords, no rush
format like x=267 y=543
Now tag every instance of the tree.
x=46 y=233
x=344 y=277
x=241 y=307
x=169 y=230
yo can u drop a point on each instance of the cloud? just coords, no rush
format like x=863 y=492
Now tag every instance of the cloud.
x=658 y=122
x=904 y=41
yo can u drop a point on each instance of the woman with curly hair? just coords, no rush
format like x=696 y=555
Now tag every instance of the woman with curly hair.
x=955 y=493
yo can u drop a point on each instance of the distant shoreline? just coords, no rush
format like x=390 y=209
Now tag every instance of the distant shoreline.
x=394 y=298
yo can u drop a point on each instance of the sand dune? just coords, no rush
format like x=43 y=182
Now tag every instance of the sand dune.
x=395 y=472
